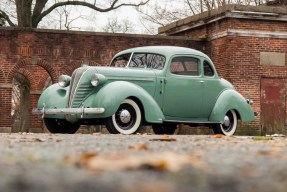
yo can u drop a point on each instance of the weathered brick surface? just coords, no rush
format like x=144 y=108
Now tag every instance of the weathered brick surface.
x=39 y=54
x=237 y=56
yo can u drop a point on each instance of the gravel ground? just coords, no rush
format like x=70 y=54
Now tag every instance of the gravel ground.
x=103 y=162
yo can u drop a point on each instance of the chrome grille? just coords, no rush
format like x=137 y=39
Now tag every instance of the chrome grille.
x=78 y=91
x=82 y=91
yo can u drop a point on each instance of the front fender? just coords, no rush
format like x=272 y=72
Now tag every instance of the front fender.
x=113 y=94
x=54 y=97
x=231 y=99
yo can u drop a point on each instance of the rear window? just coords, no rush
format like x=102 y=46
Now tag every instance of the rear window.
x=185 y=66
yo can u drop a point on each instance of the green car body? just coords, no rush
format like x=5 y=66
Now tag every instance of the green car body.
x=160 y=86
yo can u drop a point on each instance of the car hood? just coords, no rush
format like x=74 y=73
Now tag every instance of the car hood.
x=114 y=73
x=145 y=78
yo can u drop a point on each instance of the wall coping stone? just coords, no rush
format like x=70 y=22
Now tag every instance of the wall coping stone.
x=248 y=33
x=226 y=11
x=71 y=32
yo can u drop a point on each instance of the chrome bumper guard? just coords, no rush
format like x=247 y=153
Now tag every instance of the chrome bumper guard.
x=65 y=111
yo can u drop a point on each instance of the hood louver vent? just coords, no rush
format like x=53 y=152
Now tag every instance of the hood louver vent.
x=78 y=91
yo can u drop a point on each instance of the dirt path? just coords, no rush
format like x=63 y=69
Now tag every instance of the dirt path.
x=84 y=162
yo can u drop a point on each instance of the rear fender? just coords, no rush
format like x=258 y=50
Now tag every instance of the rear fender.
x=228 y=100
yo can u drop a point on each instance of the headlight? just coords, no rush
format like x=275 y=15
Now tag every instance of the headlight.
x=97 y=79
x=249 y=101
x=64 y=81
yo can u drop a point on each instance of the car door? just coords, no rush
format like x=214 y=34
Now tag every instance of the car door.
x=183 y=88
x=211 y=88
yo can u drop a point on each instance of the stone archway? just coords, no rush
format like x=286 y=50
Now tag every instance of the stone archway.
x=20 y=104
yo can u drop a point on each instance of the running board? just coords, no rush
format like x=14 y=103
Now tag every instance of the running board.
x=190 y=122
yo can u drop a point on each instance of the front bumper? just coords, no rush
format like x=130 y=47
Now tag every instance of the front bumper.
x=66 y=111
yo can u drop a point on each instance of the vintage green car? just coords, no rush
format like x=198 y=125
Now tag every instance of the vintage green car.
x=161 y=86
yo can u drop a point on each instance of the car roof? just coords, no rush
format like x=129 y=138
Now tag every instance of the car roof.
x=164 y=50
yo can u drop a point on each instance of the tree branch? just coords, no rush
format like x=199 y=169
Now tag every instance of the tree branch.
x=85 y=4
x=6 y=17
x=190 y=7
x=38 y=8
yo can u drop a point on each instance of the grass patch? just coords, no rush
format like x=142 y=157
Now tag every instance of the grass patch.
x=262 y=138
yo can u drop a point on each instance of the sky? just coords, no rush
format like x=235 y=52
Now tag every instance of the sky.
x=91 y=20
x=95 y=21
x=122 y=13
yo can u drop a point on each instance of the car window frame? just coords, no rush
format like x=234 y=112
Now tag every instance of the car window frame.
x=157 y=54
x=185 y=55
x=211 y=66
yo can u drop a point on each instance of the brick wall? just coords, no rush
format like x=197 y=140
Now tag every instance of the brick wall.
x=40 y=54
x=235 y=37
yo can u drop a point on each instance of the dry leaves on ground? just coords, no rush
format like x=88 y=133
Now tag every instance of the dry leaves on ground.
x=139 y=147
x=274 y=152
x=164 y=161
x=218 y=136
x=164 y=138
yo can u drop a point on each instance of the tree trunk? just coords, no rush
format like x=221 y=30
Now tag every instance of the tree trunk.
x=20 y=104
x=24 y=13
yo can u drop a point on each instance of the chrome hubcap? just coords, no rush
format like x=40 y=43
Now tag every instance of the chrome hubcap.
x=125 y=116
x=226 y=121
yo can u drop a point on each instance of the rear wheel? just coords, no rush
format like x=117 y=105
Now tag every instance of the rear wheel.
x=126 y=120
x=164 y=129
x=61 y=126
x=228 y=127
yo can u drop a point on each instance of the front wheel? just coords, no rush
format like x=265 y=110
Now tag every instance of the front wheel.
x=61 y=126
x=126 y=120
x=228 y=127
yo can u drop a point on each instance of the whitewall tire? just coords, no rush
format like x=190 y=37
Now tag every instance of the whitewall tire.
x=229 y=125
x=127 y=119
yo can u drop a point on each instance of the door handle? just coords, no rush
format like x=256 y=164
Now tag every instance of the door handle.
x=201 y=81
x=162 y=81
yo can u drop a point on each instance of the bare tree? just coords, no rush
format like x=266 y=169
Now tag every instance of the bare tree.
x=2 y=21
x=65 y=18
x=29 y=13
x=116 y=26
x=156 y=15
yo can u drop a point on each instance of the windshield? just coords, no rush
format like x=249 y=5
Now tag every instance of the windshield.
x=140 y=60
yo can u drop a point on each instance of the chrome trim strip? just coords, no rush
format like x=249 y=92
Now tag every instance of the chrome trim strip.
x=131 y=78
x=128 y=64
x=81 y=111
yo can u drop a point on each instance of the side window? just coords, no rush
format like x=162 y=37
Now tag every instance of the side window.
x=121 y=61
x=208 y=71
x=185 y=66
x=147 y=60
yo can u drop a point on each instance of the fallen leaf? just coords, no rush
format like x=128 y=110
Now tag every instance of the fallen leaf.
x=82 y=160
x=218 y=136
x=165 y=161
x=39 y=139
x=139 y=147
x=32 y=157
x=265 y=152
x=164 y=138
